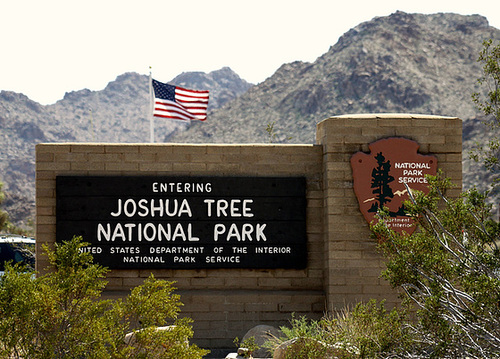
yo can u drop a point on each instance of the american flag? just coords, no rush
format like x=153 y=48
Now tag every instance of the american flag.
x=179 y=103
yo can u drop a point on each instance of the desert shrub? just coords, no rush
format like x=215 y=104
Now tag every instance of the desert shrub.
x=449 y=268
x=366 y=331
x=369 y=330
x=246 y=347
x=62 y=315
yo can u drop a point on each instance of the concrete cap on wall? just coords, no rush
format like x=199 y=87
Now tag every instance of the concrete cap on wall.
x=390 y=116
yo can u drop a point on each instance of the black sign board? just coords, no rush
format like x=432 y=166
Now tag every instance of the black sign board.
x=186 y=222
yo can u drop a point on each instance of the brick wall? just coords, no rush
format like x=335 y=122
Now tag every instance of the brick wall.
x=343 y=265
x=223 y=302
x=352 y=264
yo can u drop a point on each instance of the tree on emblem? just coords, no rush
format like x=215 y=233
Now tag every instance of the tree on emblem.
x=380 y=182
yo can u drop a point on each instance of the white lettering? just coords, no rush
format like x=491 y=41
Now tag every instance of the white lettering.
x=144 y=259
x=181 y=187
x=209 y=206
x=412 y=173
x=218 y=229
x=233 y=232
x=222 y=259
x=176 y=250
x=154 y=207
x=103 y=232
x=260 y=232
x=243 y=232
x=273 y=250
x=412 y=165
x=159 y=208
x=412 y=180
x=246 y=210
x=129 y=226
x=237 y=207
x=149 y=237
x=221 y=207
x=149 y=231
x=118 y=232
x=124 y=250
x=142 y=205
x=185 y=208
x=246 y=231
x=119 y=210
x=126 y=210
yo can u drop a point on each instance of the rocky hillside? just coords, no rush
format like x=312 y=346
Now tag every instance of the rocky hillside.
x=118 y=113
x=412 y=63
x=399 y=63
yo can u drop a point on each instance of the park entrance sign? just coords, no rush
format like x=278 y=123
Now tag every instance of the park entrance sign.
x=186 y=222
x=382 y=179
x=250 y=233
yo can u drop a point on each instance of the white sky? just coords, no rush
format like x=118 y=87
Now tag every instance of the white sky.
x=49 y=47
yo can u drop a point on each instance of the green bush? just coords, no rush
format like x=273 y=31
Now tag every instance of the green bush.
x=308 y=335
x=247 y=346
x=62 y=314
x=449 y=267
x=366 y=331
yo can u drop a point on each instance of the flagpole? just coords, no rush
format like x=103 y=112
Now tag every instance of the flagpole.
x=151 y=104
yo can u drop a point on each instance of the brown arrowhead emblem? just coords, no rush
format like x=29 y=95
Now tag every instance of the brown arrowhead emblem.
x=380 y=177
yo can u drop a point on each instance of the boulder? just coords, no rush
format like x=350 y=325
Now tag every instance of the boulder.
x=262 y=334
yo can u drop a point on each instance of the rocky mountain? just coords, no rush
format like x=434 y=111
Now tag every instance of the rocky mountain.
x=409 y=63
x=399 y=63
x=118 y=113
x=224 y=85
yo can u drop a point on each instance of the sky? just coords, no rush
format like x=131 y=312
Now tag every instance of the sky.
x=50 y=47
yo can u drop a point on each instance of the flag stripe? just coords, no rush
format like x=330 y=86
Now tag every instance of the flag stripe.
x=173 y=110
x=179 y=103
x=163 y=107
x=192 y=92
x=193 y=103
x=191 y=95
x=177 y=110
x=173 y=114
x=190 y=102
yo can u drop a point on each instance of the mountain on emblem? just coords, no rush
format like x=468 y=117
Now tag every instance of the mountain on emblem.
x=380 y=177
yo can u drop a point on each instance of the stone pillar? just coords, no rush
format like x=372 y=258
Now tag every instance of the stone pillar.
x=352 y=264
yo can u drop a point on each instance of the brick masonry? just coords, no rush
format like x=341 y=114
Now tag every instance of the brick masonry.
x=343 y=264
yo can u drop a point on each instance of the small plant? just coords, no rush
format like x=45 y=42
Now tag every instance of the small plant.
x=247 y=347
x=271 y=133
x=4 y=218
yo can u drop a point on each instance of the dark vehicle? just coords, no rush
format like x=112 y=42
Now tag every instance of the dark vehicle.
x=16 y=249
